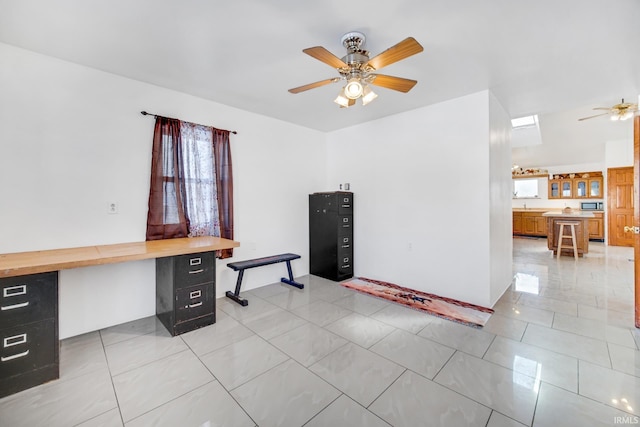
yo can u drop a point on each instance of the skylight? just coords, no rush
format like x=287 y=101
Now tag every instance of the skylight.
x=526 y=121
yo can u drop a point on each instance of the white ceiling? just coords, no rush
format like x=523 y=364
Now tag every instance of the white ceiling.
x=543 y=56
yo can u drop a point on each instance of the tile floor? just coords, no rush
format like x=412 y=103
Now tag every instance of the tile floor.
x=560 y=350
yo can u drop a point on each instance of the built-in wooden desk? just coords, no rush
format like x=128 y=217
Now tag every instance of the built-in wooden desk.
x=29 y=347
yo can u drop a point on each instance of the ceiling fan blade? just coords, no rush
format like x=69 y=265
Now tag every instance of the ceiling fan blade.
x=591 y=117
x=395 y=83
x=313 y=85
x=322 y=54
x=402 y=50
x=602 y=108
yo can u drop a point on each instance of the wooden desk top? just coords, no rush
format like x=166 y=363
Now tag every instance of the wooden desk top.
x=22 y=263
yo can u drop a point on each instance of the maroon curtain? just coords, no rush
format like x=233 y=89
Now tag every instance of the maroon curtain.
x=224 y=182
x=166 y=218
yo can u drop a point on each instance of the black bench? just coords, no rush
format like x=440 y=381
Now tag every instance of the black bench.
x=241 y=266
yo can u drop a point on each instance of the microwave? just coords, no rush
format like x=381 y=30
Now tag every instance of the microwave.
x=592 y=206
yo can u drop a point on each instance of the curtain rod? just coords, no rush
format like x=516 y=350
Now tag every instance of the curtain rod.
x=144 y=113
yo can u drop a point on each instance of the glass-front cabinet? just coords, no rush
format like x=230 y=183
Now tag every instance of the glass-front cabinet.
x=595 y=188
x=576 y=186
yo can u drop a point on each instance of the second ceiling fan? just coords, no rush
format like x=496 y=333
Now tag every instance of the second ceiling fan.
x=358 y=70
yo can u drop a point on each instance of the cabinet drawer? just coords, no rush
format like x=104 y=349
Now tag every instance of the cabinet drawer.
x=192 y=269
x=344 y=222
x=28 y=347
x=27 y=299
x=194 y=301
x=345 y=204
x=345 y=242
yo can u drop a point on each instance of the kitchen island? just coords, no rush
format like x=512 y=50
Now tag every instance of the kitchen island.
x=582 y=230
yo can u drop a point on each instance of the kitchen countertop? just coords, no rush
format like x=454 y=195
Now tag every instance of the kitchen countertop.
x=572 y=214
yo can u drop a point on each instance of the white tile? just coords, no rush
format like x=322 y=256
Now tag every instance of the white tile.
x=404 y=318
x=145 y=388
x=359 y=373
x=567 y=343
x=242 y=361
x=499 y=420
x=209 y=405
x=110 y=418
x=414 y=401
x=308 y=343
x=559 y=407
x=413 y=352
x=257 y=307
x=60 y=403
x=613 y=388
x=505 y=326
x=362 y=304
x=287 y=395
x=321 y=312
x=213 y=337
x=542 y=302
x=594 y=329
x=275 y=323
x=292 y=299
x=128 y=330
x=362 y=330
x=346 y=412
x=536 y=362
x=133 y=353
x=525 y=313
x=474 y=341
x=81 y=354
x=508 y=392
x=625 y=359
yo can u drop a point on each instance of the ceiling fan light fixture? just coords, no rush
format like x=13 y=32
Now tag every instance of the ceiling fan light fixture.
x=353 y=89
x=368 y=95
x=342 y=99
x=615 y=117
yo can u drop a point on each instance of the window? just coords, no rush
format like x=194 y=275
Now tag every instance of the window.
x=525 y=188
x=524 y=122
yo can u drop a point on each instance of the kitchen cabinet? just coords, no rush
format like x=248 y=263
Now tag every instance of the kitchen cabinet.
x=529 y=223
x=596 y=227
x=580 y=185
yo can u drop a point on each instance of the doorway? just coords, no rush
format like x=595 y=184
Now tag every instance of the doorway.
x=620 y=202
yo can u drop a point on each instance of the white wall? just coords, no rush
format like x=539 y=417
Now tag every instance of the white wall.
x=422 y=197
x=500 y=230
x=72 y=139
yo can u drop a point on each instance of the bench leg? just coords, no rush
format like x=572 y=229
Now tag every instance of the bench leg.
x=290 y=280
x=236 y=295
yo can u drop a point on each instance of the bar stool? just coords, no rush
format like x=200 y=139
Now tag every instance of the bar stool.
x=561 y=237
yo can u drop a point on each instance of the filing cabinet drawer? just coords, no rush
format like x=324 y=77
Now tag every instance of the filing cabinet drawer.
x=27 y=299
x=344 y=222
x=345 y=205
x=194 y=301
x=28 y=347
x=193 y=269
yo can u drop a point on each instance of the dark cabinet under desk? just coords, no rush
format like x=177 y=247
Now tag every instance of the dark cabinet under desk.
x=29 y=350
x=186 y=291
x=331 y=235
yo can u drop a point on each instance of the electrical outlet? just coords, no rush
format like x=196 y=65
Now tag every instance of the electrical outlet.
x=112 y=208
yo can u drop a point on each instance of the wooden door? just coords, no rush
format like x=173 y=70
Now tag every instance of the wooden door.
x=636 y=212
x=620 y=195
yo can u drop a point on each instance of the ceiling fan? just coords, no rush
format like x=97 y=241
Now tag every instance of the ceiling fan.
x=358 y=70
x=621 y=111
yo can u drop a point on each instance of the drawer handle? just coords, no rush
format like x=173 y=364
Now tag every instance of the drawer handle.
x=195 y=294
x=198 y=304
x=15 y=340
x=196 y=271
x=15 y=356
x=346 y=246
x=195 y=261
x=14 y=306
x=13 y=291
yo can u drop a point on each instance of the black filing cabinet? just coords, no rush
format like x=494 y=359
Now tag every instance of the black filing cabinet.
x=331 y=235
x=186 y=291
x=29 y=349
